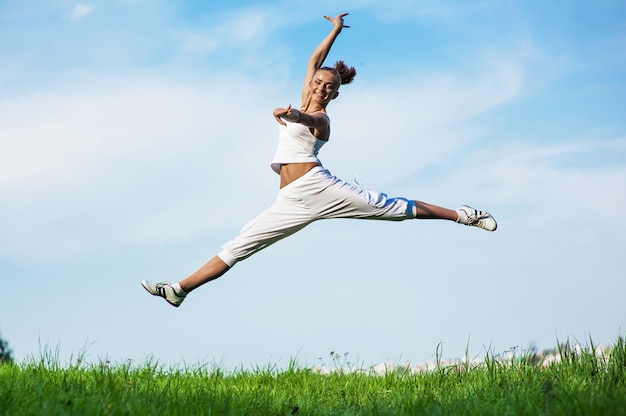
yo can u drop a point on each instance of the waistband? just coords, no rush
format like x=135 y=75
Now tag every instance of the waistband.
x=316 y=170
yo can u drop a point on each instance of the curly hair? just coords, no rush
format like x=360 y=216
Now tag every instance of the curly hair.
x=346 y=73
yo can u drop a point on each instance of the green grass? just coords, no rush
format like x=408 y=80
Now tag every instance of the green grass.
x=579 y=382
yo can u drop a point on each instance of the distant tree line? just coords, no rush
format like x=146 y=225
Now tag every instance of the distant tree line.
x=5 y=352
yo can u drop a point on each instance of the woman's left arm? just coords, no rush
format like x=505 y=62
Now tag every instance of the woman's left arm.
x=321 y=52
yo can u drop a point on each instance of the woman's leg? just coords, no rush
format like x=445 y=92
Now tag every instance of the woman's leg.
x=463 y=215
x=270 y=226
x=213 y=269
x=428 y=211
x=286 y=216
x=343 y=200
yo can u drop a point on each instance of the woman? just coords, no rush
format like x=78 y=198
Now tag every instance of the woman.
x=308 y=192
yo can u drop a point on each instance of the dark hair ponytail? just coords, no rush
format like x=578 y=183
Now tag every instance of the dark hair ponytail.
x=346 y=73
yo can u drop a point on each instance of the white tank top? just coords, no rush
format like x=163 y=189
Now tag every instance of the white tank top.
x=296 y=144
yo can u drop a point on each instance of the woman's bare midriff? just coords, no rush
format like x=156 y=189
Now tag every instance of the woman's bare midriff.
x=292 y=171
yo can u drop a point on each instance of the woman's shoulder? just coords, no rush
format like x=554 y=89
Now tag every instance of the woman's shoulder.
x=323 y=113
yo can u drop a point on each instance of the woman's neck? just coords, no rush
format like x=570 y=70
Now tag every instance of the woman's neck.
x=311 y=106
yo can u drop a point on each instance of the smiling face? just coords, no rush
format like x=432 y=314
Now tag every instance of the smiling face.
x=324 y=87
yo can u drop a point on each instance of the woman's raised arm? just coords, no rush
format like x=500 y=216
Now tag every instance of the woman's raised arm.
x=321 y=52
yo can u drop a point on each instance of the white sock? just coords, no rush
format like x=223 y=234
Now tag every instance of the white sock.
x=462 y=216
x=178 y=290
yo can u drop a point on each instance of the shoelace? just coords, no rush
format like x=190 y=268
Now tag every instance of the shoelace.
x=160 y=288
x=475 y=217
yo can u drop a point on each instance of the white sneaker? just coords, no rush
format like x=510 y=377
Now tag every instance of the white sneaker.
x=476 y=218
x=165 y=290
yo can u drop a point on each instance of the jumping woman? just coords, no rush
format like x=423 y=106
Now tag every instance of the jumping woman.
x=308 y=192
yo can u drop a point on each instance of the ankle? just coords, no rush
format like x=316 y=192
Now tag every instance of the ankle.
x=179 y=290
x=461 y=216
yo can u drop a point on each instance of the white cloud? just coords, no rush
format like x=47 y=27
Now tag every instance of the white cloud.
x=80 y=11
x=246 y=28
x=117 y=148
x=50 y=132
x=416 y=124
x=572 y=193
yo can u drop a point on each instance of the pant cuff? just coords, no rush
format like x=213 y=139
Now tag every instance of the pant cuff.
x=227 y=258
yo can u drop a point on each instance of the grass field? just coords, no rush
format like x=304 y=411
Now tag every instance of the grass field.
x=577 y=381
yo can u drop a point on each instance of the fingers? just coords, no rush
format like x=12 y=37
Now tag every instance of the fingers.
x=279 y=112
x=339 y=18
x=280 y=121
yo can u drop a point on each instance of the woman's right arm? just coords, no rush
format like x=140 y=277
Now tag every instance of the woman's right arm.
x=321 y=52
x=318 y=120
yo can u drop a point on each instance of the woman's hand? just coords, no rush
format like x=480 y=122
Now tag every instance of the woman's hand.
x=289 y=114
x=337 y=21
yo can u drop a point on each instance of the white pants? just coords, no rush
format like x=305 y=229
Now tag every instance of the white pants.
x=316 y=195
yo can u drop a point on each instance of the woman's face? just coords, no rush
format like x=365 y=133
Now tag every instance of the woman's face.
x=324 y=87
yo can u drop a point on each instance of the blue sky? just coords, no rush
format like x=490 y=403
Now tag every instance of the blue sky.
x=135 y=140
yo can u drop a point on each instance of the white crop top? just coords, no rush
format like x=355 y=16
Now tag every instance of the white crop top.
x=296 y=144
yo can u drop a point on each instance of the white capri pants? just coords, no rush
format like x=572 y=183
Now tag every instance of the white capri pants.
x=314 y=196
